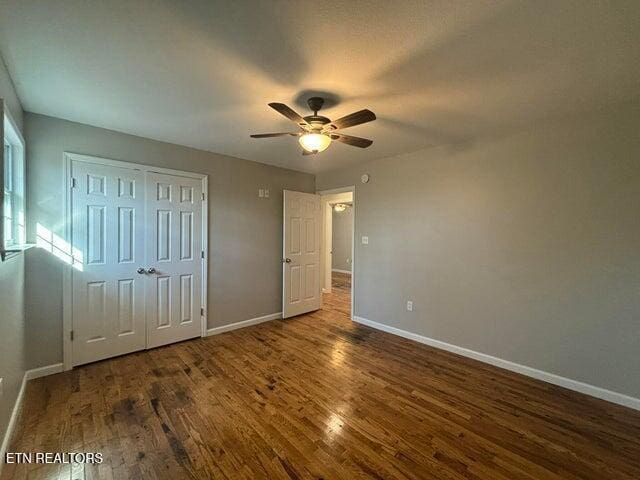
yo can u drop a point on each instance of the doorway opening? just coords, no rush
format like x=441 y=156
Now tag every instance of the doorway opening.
x=338 y=214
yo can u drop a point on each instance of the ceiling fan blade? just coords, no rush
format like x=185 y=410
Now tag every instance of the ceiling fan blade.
x=357 y=118
x=282 y=109
x=353 y=141
x=267 y=135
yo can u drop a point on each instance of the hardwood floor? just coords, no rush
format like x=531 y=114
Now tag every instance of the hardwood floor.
x=340 y=299
x=318 y=396
x=341 y=282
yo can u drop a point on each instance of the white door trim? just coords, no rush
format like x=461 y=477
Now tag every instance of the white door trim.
x=67 y=287
x=327 y=244
x=351 y=189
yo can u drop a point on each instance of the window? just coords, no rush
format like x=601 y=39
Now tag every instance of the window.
x=13 y=221
x=9 y=224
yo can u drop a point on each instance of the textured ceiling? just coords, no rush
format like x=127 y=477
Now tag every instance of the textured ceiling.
x=200 y=73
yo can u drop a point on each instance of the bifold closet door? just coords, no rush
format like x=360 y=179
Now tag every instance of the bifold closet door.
x=174 y=266
x=107 y=207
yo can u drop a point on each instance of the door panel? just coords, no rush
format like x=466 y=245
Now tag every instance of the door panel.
x=301 y=245
x=186 y=298
x=107 y=206
x=174 y=240
x=126 y=289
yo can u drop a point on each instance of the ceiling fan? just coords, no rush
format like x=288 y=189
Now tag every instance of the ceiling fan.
x=316 y=132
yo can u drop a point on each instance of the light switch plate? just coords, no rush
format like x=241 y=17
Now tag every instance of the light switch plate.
x=266 y=193
x=261 y=192
x=409 y=306
x=365 y=240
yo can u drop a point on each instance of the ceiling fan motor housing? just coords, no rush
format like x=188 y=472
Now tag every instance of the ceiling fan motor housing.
x=315 y=104
x=317 y=121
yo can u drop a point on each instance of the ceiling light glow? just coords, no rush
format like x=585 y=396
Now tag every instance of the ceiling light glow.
x=315 y=142
x=340 y=207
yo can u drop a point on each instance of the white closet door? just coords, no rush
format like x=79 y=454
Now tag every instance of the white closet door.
x=174 y=246
x=108 y=240
x=301 y=251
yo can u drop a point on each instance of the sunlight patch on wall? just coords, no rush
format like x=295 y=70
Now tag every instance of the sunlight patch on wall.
x=58 y=247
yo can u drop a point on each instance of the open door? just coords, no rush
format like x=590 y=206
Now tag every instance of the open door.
x=301 y=254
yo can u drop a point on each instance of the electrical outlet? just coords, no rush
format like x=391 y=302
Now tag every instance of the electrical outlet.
x=266 y=193
x=261 y=192
x=365 y=240
x=409 y=306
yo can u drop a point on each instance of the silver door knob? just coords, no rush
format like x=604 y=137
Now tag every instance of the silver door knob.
x=287 y=260
x=151 y=270
x=141 y=270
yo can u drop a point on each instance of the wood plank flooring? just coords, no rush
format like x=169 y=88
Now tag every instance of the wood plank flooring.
x=341 y=282
x=319 y=397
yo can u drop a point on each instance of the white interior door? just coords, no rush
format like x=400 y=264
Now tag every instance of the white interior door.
x=174 y=246
x=327 y=245
x=107 y=205
x=301 y=254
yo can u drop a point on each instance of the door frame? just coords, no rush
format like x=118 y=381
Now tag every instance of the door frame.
x=327 y=230
x=67 y=286
x=323 y=202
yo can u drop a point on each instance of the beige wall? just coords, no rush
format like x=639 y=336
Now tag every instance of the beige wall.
x=526 y=248
x=245 y=232
x=342 y=228
x=12 y=326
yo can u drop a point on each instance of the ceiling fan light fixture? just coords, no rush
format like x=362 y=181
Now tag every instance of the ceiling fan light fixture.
x=340 y=207
x=315 y=142
x=315 y=132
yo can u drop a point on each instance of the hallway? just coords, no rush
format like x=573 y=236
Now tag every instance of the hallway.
x=339 y=300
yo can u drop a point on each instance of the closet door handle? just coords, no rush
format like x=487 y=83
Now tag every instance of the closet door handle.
x=151 y=270
x=141 y=271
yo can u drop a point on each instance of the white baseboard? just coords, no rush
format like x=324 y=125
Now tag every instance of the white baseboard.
x=44 y=371
x=17 y=406
x=575 y=385
x=242 y=324
x=8 y=434
x=348 y=272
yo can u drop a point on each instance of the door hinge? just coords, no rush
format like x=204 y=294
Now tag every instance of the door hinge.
x=202 y=312
x=202 y=254
x=72 y=335
x=203 y=196
x=74 y=182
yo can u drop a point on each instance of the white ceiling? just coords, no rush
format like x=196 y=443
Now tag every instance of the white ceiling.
x=200 y=73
